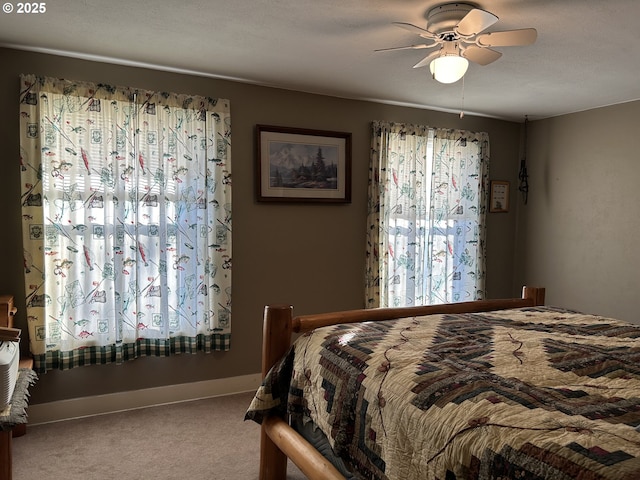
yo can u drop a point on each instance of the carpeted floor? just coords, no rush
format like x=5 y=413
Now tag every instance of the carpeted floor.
x=202 y=439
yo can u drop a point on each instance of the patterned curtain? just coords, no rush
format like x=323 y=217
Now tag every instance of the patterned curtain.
x=126 y=198
x=427 y=203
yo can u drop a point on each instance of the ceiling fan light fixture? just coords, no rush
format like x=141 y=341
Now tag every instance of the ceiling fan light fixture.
x=449 y=68
x=457 y=28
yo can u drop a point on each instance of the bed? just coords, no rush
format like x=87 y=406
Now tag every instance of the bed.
x=504 y=389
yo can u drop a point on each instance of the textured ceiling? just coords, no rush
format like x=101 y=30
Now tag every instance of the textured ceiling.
x=586 y=55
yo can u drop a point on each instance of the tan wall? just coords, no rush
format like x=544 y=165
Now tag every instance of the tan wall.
x=311 y=256
x=578 y=234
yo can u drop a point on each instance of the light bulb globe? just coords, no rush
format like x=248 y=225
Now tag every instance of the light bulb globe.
x=449 y=68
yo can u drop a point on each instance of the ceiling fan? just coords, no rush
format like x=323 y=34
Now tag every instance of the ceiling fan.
x=456 y=30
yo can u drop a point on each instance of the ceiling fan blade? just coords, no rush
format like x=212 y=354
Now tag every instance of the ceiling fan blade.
x=509 y=38
x=475 y=22
x=428 y=59
x=408 y=47
x=481 y=55
x=417 y=30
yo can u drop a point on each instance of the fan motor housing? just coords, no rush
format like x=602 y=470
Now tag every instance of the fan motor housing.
x=442 y=19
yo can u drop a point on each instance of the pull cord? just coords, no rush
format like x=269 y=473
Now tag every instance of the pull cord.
x=523 y=175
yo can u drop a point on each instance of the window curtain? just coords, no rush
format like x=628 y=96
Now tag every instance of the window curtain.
x=427 y=205
x=126 y=203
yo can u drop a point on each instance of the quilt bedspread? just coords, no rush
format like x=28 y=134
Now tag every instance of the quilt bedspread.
x=531 y=393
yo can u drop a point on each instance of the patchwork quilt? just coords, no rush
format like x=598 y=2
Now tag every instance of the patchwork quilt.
x=530 y=393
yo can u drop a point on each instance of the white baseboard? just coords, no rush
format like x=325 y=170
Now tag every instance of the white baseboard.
x=149 y=397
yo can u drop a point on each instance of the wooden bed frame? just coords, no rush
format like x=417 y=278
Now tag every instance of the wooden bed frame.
x=278 y=441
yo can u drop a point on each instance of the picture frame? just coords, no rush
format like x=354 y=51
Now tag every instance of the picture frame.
x=302 y=165
x=499 y=197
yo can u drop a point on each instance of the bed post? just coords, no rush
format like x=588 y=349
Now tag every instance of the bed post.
x=276 y=339
x=534 y=293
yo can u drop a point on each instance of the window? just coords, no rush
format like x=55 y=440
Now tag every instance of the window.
x=427 y=201
x=127 y=222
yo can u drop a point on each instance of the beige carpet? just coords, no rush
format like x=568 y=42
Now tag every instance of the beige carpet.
x=203 y=439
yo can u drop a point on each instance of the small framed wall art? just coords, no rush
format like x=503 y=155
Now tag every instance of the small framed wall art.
x=302 y=165
x=499 y=198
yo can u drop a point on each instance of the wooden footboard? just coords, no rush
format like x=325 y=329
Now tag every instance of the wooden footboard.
x=278 y=439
